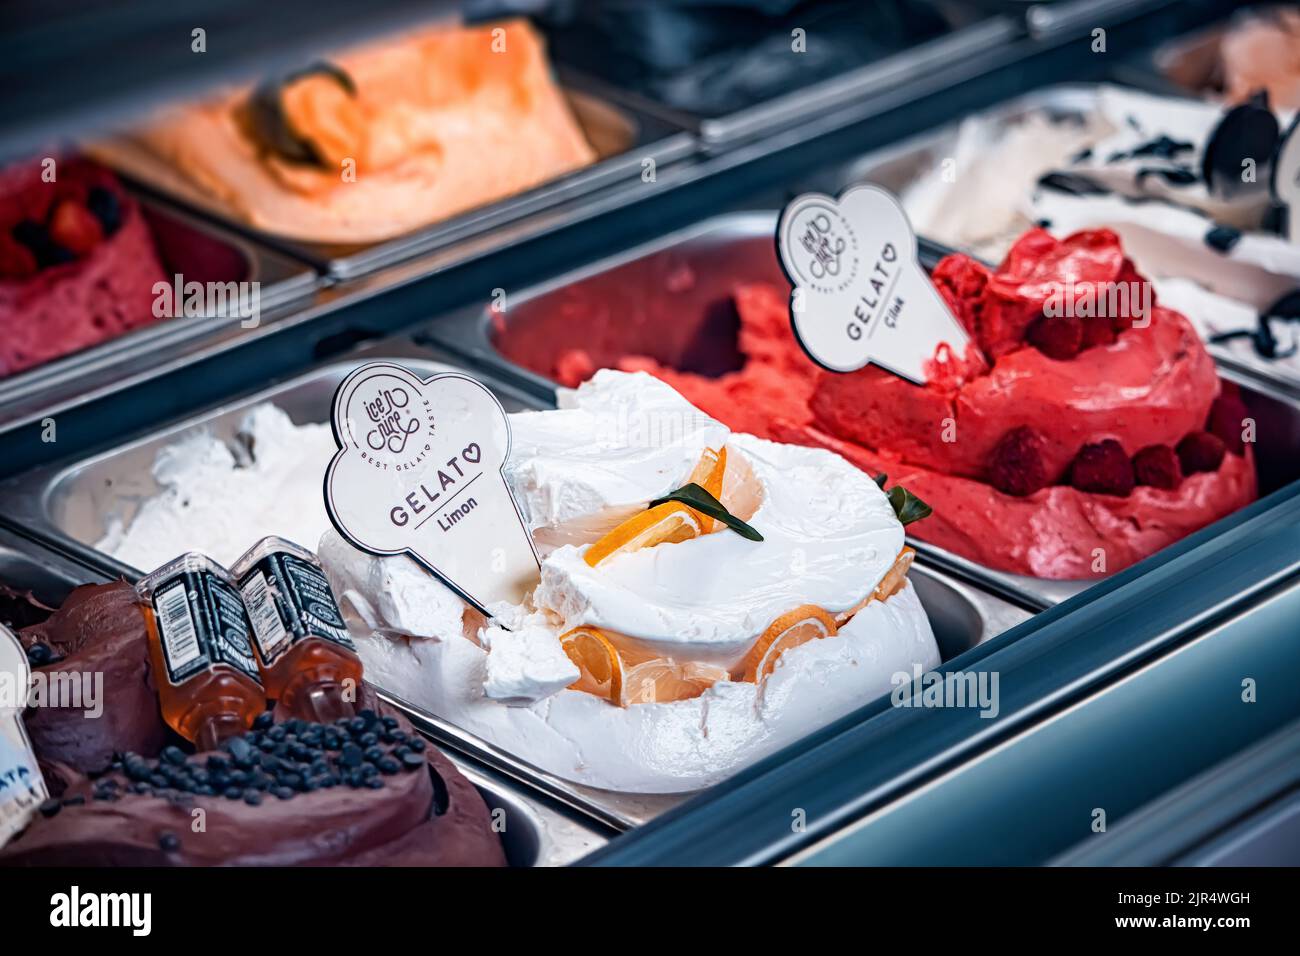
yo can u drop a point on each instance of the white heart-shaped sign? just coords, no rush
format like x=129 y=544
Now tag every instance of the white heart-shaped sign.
x=419 y=472
x=22 y=788
x=859 y=294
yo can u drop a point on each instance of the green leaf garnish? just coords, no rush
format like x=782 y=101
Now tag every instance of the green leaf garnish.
x=692 y=495
x=907 y=507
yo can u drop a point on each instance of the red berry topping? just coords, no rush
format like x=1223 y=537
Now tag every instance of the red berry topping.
x=1058 y=337
x=1133 y=298
x=1097 y=331
x=1157 y=466
x=74 y=227
x=1103 y=468
x=1227 y=419
x=961 y=281
x=1016 y=465
x=16 y=260
x=1201 y=451
x=574 y=367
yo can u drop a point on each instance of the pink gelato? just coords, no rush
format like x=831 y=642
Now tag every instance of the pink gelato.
x=77 y=263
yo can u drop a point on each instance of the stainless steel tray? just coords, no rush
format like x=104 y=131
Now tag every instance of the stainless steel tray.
x=971 y=41
x=621 y=136
x=186 y=246
x=68 y=505
x=534 y=831
x=717 y=254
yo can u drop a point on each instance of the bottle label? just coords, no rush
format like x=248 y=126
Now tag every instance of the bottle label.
x=289 y=600
x=202 y=622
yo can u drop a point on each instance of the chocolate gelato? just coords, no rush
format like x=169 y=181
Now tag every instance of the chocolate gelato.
x=363 y=791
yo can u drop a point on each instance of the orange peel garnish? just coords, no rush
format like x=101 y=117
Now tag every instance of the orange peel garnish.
x=662 y=681
x=669 y=522
x=598 y=661
x=803 y=624
x=895 y=580
x=708 y=474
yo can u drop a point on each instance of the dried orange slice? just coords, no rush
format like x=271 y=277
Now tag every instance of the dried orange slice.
x=803 y=624
x=597 y=659
x=893 y=582
x=660 y=681
x=708 y=474
x=669 y=522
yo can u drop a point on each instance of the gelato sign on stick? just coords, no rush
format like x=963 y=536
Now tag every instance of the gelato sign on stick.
x=418 y=472
x=859 y=294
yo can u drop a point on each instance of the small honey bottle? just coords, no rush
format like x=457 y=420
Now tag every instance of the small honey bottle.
x=199 y=643
x=307 y=658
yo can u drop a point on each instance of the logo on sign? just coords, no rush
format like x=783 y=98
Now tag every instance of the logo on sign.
x=824 y=248
x=393 y=422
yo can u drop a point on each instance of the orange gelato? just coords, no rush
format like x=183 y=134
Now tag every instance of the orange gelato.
x=380 y=140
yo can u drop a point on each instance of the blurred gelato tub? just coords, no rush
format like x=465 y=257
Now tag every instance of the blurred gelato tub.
x=395 y=149
x=734 y=71
x=1257 y=49
x=80 y=295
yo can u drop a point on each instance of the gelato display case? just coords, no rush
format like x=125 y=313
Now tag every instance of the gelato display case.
x=757 y=588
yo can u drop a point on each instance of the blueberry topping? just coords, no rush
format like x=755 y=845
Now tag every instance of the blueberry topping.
x=351 y=756
x=37 y=239
x=104 y=206
x=38 y=655
x=169 y=842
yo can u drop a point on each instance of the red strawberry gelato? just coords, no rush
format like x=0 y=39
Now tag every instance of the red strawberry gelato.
x=1079 y=450
x=77 y=263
